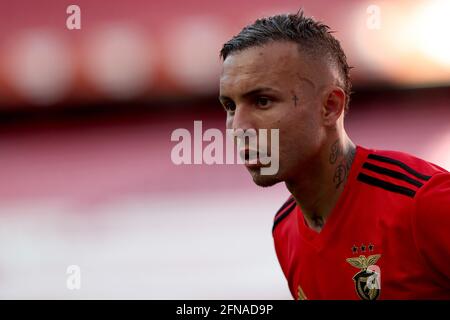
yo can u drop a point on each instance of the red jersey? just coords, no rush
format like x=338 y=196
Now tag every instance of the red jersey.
x=388 y=236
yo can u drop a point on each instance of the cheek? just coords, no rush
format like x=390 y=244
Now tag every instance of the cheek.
x=300 y=134
x=304 y=122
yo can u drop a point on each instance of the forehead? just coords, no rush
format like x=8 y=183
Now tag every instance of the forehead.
x=273 y=64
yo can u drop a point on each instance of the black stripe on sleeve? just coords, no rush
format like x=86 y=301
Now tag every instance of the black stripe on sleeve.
x=286 y=204
x=283 y=215
x=399 y=164
x=392 y=173
x=386 y=185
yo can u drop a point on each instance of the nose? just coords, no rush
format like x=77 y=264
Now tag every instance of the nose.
x=241 y=119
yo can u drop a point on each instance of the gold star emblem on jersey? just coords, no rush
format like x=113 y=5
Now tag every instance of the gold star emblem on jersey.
x=368 y=279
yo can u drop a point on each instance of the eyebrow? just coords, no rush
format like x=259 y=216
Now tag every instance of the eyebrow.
x=253 y=92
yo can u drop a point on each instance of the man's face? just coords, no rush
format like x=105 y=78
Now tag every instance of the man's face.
x=276 y=87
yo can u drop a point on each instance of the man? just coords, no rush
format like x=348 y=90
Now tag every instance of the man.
x=361 y=223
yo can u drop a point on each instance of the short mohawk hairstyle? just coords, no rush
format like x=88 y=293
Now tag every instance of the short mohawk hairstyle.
x=313 y=37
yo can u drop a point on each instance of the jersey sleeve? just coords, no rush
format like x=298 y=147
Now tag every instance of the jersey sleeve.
x=431 y=225
x=280 y=238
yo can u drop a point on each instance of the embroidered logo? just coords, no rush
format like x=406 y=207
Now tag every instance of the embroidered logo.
x=368 y=279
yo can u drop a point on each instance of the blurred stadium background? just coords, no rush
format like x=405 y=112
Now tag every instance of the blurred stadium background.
x=85 y=123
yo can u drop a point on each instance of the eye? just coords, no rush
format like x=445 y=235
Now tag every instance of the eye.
x=229 y=106
x=263 y=101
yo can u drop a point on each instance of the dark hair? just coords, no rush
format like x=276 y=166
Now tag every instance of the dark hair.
x=312 y=36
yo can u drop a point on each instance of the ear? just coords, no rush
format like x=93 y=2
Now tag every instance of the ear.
x=333 y=105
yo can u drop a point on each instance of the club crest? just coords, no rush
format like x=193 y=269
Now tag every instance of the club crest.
x=367 y=280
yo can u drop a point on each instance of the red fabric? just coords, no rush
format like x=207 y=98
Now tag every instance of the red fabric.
x=409 y=232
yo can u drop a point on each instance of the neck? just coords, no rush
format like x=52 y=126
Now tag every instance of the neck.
x=320 y=185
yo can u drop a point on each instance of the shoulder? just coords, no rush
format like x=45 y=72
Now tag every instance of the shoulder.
x=433 y=200
x=411 y=164
x=431 y=223
x=397 y=172
x=426 y=184
x=284 y=211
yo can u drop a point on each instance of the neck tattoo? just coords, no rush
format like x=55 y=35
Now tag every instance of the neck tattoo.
x=343 y=168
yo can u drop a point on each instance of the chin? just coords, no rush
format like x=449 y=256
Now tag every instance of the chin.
x=264 y=180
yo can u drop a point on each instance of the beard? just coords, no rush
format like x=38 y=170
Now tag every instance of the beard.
x=264 y=180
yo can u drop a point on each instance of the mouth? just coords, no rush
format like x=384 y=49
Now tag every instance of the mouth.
x=250 y=162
